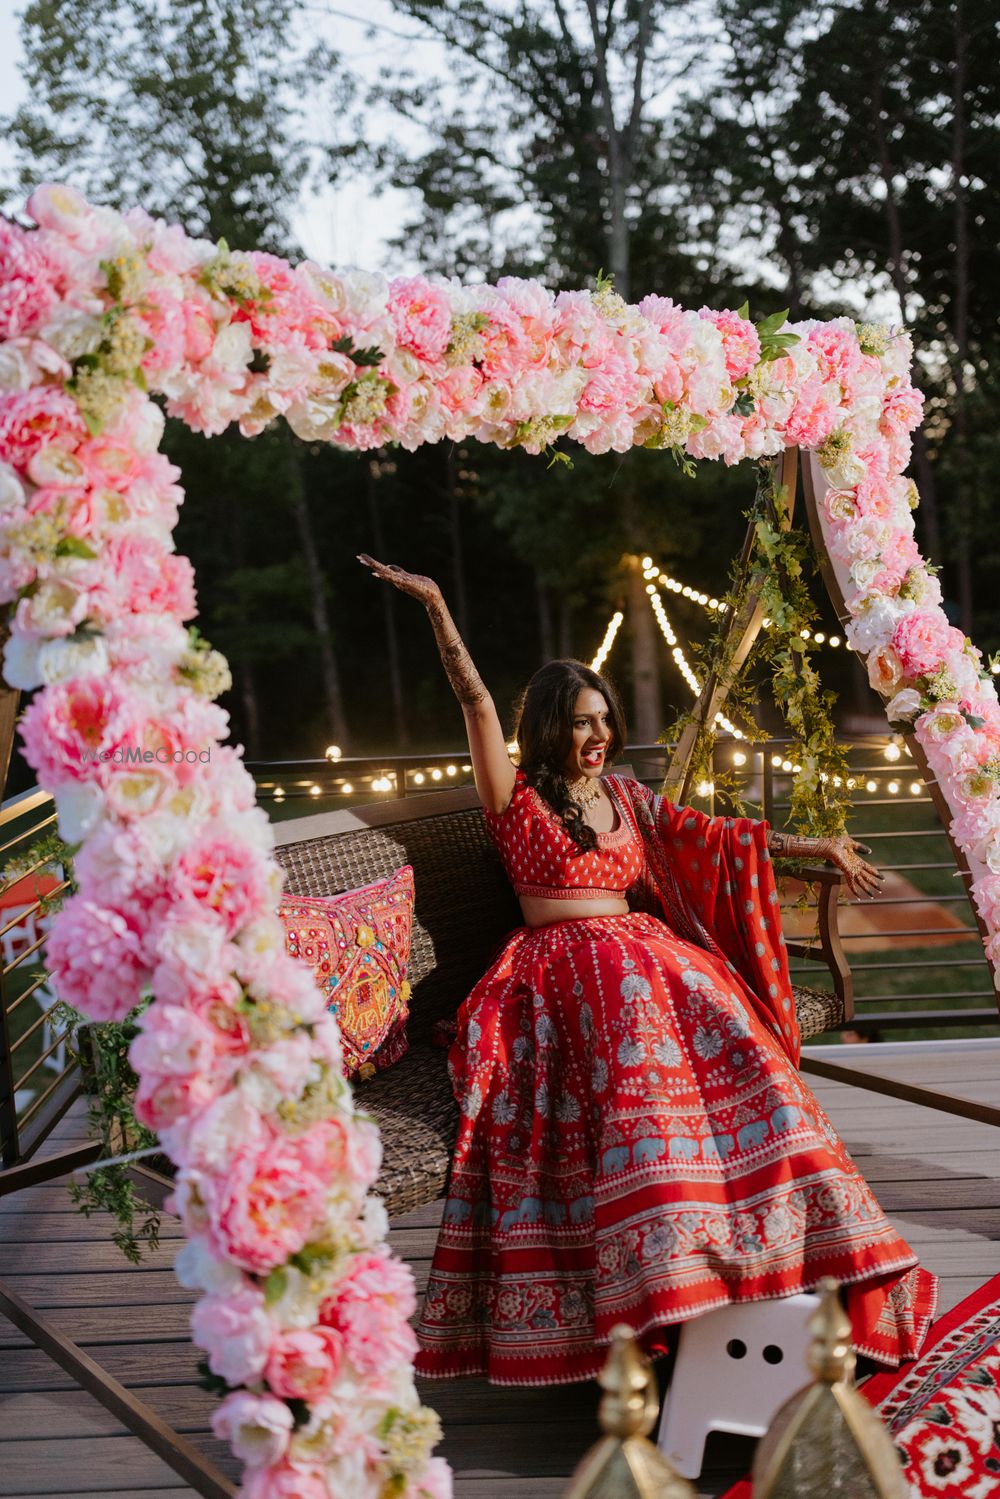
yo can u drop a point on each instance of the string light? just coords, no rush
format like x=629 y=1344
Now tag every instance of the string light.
x=452 y=770
x=915 y=788
x=279 y=793
x=347 y=788
x=892 y=751
x=604 y=649
x=419 y=778
x=739 y=758
x=333 y=752
x=871 y=785
x=714 y=605
x=435 y=774
x=893 y=788
x=314 y=791
x=705 y=788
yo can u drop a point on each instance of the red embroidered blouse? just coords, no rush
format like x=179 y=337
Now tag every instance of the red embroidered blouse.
x=541 y=858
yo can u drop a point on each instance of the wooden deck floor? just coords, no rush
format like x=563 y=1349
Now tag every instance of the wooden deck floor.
x=937 y=1176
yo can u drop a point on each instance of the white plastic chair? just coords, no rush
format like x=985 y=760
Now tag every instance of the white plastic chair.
x=734 y=1368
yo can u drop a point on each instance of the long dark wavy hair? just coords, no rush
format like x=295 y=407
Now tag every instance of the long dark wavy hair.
x=544 y=733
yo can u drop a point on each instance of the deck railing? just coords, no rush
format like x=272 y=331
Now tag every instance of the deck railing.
x=917 y=981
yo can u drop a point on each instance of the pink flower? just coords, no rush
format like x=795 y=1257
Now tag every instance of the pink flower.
x=67 y=728
x=163 y=1100
x=269 y=1201
x=740 y=340
x=172 y=1040
x=256 y=1426
x=31 y=419
x=304 y=1363
x=421 y=317
x=370 y=1307
x=814 y=415
x=218 y=872
x=837 y=353
x=95 y=957
x=144 y=578
x=901 y=412
x=27 y=281
x=923 y=641
x=284 y=1482
x=435 y=1482
x=236 y=1332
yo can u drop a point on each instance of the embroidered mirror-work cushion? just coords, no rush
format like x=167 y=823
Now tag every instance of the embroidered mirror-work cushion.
x=358 y=945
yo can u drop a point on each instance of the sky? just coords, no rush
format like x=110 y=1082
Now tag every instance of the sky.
x=346 y=224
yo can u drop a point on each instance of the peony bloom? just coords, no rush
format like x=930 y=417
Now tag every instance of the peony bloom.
x=27 y=281
x=96 y=961
x=421 y=317
x=370 y=1306
x=284 y=1482
x=923 y=641
x=31 y=419
x=304 y=1363
x=236 y=1332
x=71 y=731
x=269 y=1201
x=740 y=341
x=256 y=1426
x=218 y=873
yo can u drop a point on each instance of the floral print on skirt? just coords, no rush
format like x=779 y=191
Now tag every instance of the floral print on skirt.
x=636 y=1146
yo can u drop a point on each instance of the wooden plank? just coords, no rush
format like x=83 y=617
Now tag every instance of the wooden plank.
x=57 y=1414
x=912 y=1196
x=91 y=1326
x=71 y=1226
x=99 y=1254
x=126 y=1287
x=172 y=1364
x=91 y=1465
x=481 y=1451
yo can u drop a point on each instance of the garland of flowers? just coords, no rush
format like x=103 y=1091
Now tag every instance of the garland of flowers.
x=304 y=1314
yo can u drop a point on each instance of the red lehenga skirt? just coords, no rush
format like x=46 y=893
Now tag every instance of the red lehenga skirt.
x=636 y=1146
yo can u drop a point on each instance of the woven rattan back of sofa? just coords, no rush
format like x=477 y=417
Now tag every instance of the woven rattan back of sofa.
x=464 y=905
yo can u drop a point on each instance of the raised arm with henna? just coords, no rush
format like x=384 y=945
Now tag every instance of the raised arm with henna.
x=862 y=878
x=491 y=763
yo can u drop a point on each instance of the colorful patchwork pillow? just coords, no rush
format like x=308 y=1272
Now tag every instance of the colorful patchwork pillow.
x=358 y=944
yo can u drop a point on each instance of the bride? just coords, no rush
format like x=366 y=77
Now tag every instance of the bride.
x=635 y=1142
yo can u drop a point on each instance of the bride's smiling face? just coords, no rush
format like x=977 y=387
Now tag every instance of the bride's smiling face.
x=592 y=733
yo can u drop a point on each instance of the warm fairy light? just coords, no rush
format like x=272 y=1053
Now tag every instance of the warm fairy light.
x=730 y=728
x=650 y=587
x=851 y=783
x=382 y=783
x=739 y=758
x=333 y=752
x=837 y=781
x=435 y=774
x=314 y=791
x=915 y=788
x=776 y=761
x=647 y=562
x=796 y=770
x=893 y=788
x=995 y=667
x=819 y=637
x=892 y=751
x=805 y=634
x=453 y=770
x=279 y=793
x=466 y=767
x=681 y=662
x=512 y=747
x=603 y=650
x=705 y=788
x=347 y=788
x=834 y=641
x=871 y=785
x=786 y=764
x=419 y=778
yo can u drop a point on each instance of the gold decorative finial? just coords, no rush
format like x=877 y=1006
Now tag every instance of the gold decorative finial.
x=625 y=1464
x=828 y=1431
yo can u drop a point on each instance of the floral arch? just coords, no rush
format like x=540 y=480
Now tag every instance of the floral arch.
x=303 y=1314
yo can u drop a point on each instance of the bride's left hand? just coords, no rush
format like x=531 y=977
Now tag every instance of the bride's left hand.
x=862 y=878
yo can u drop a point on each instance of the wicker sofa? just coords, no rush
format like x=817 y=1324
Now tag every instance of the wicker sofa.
x=464 y=909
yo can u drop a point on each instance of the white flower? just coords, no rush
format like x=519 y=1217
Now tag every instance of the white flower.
x=198 y=1269
x=72 y=333
x=15 y=372
x=60 y=660
x=20 y=662
x=257 y=1427
x=79 y=809
x=904 y=706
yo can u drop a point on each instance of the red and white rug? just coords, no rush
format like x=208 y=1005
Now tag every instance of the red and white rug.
x=943 y=1410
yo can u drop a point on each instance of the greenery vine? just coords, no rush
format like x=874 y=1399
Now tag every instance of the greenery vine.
x=775 y=567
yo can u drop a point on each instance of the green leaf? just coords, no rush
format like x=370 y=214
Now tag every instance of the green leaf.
x=74 y=546
x=772 y=323
x=744 y=311
x=213 y=1383
x=274 y=1285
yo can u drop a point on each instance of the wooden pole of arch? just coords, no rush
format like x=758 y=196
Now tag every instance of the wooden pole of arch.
x=742 y=630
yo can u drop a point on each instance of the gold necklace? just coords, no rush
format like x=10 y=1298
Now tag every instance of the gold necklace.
x=585 y=792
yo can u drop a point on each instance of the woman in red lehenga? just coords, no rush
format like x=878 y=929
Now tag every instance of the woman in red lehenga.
x=635 y=1143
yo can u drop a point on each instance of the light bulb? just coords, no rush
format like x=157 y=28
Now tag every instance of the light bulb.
x=834 y=640
x=786 y=764
x=419 y=778
x=453 y=770
x=279 y=793
x=915 y=788
x=705 y=788
x=892 y=751
x=739 y=758
x=647 y=561
x=333 y=752
x=347 y=788
x=871 y=785
x=776 y=761
x=819 y=637
x=314 y=791
x=435 y=774
x=466 y=768
x=893 y=788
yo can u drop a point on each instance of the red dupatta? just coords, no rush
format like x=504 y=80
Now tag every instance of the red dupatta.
x=713 y=881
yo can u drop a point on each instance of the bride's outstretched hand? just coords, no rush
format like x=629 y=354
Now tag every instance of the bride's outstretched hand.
x=424 y=589
x=862 y=878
